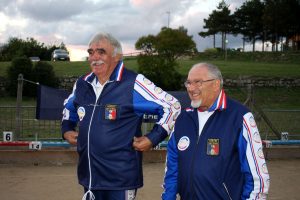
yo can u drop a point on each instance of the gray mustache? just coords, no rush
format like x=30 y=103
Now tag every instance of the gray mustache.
x=97 y=62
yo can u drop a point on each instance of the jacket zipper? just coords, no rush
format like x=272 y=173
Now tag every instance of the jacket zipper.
x=192 y=170
x=197 y=146
x=88 y=143
x=227 y=191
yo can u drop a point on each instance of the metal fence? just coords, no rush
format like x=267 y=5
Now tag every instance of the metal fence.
x=285 y=121
x=29 y=127
x=33 y=129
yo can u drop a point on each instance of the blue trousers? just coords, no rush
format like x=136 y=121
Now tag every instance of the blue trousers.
x=113 y=194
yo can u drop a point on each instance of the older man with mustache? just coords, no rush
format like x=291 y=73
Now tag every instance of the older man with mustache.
x=108 y=104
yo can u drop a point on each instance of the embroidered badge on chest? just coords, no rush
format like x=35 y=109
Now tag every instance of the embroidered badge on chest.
x=111 y=112
x=213 y=147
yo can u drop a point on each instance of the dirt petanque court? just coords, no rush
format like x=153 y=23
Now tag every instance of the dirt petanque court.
x=32 y=180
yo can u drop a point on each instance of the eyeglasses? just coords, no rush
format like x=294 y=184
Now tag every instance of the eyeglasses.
x=197 y=83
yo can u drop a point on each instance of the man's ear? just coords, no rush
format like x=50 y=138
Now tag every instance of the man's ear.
x=117 y=57
x=217 y=85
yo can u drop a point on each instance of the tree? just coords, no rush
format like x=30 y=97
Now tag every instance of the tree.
x=225 y=21
x=17 y=47
x=248 y=21
x=212 y=29
x=44 y=74
x=40 y=72
x=20 y=65
x=160 y=71
x=160 y=54
x=174 y=43
x=267 y=20
x=220 y=21
x=281 y=20
x=169 y=43
x=146 y=43
x=63 y=46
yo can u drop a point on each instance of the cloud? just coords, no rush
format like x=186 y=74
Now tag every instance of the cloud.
x=46 y=11
x=75 y=21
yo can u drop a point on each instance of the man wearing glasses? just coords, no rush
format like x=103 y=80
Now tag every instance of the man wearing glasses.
x=108 y=105
x=215 y=151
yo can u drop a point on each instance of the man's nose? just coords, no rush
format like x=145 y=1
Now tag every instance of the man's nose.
x=192 y=87
x=94 y=57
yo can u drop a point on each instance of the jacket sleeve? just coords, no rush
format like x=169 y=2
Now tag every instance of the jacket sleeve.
x=171 y=171
x=253 y=164
x=150 y=99
x=70 y=116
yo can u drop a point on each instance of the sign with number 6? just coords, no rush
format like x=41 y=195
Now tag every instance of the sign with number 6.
x=7 y=136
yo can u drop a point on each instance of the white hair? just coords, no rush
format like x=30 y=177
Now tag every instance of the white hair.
x=112 y=40
x=213 y=71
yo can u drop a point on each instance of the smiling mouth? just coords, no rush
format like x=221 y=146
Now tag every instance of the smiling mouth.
x=195 y=94
x=96 y=65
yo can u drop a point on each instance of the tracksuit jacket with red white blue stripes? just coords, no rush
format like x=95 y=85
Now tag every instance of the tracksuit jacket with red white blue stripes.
x=107 y=126
x=225 y=162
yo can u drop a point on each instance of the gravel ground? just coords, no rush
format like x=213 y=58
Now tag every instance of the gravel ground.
x=59 y=182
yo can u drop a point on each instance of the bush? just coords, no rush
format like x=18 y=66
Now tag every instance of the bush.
x=41 y=72
x=20 y=65
x=211 y=50
x=44 y=74
x=160 y=71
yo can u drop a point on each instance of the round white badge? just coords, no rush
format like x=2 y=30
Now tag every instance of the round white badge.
x=183 y=143
x=176 y=105
x=252 y=121
x=81 y=112
x=169 y=97
x=256 y=137
x=260 y=153
x=147 y=81
x=264 y=168
x=158 y=90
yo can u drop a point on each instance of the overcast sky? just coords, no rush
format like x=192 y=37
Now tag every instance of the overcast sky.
x=75 y=21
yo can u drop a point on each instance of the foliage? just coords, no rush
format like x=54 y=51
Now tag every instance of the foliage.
x=24 y=66
x=160 y=54
x=248 y=21
x=160 y=71
x=275 y=21
x=169 y=43
x=174 y=43
x=17 y=47
x=211 y=50
x=146 y=43
x=41 y=72
x=269 y=64
x=281 y=19
x=262 y=58
x=220 y=21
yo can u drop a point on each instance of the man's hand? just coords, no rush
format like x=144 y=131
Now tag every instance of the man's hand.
x=71 y=137
x=142 y=143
